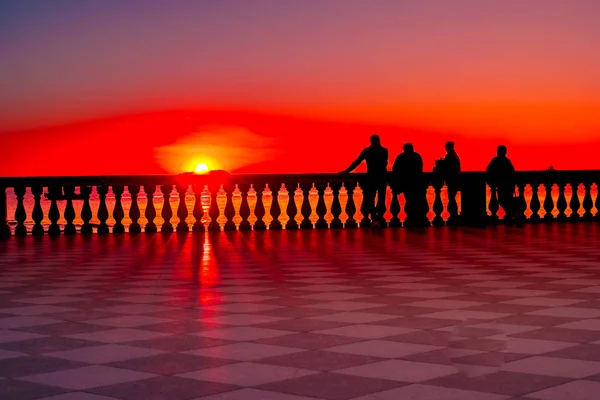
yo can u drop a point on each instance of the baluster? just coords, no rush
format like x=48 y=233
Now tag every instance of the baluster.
x=387 y=215
x=343 y=200
x=102 y=209
x=358 y=196
x=190 y=200
x=580 y=199
x=402 y=215
x=575 y=203
x=568 y=193
x=182 y=211
x=167 y=211
x=267 y=201
x=288 y=213
x=561 y=202
x=126 y=204
x=446 y=203
x=229 y=211
x=527 y=196
x=110 y=204
x=221 y=204
x=534 y=204
x=438 y=206
x=207 y=204
x=244 y=209
x=198 y=211
x=541 y=195
x=336 y=209
x=275 y=211
x=54 y=213
x=548 y=203
x=594 y=196
x=38 y=213
x=430 y=197
x=555 y=192
x=236 y=200
x=28 y=202
x=321 y=206
x=5 y=231
x=313 y=200
x=252 y=199
x=69 y=211
x=134 y=209
x=118 y=212
x=86 y=210
x=298 y=201
x=213 y=211
x=150 y=213
x=283 y=198
x=20 y=214
x=328 y=198
x=174 y=202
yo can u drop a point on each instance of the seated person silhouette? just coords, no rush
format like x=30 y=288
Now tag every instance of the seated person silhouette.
x=407 y=177
x=501 y=178
x=375 y=183
x=448 y=168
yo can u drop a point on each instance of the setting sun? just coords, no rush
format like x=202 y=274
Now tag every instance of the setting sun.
x=201 y=168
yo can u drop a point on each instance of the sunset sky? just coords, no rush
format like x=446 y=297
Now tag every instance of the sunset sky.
x=149 y=86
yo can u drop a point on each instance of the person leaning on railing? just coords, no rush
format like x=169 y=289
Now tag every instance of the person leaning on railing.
x=376 y=157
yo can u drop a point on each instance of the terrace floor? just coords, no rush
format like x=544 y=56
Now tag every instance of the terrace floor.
x=435 y=314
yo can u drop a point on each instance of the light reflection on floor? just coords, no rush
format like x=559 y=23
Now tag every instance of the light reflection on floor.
x=448 y=313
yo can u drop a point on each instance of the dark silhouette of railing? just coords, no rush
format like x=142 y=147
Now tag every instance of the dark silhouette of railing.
x=183 y=203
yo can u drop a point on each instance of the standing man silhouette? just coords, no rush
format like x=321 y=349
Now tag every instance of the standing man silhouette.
x=375 y=183
x=449 y=169
x=501 y=177
x=407 y=178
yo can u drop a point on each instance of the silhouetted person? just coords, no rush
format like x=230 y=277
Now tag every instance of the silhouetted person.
x=375 y=183
x=501 y=177
x=449 y=170
x=407 y=178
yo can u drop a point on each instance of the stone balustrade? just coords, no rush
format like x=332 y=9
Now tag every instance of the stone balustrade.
x=187 y=202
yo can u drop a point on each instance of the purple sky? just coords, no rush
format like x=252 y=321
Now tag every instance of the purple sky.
x=428 y=63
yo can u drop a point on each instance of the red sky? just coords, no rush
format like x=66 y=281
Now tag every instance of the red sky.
x=261 y=86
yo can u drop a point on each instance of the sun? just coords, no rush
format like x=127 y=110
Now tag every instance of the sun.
x=201 y=168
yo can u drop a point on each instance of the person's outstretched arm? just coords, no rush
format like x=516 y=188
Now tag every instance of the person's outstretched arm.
x=355 y=164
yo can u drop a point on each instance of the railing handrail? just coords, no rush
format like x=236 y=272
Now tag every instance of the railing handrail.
x=252 y=178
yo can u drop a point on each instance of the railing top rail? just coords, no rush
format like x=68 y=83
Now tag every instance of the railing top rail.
x=521 y=176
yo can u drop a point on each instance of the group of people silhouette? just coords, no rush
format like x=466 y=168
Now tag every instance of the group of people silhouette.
x=406 y=177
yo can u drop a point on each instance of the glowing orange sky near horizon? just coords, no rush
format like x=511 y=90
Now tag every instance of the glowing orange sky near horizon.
x=261 y=86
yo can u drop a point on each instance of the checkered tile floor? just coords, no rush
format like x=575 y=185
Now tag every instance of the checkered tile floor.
x=435 y=314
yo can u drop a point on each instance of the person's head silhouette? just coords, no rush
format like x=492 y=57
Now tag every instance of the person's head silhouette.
x=449 y=147
x=408 y=148
x=502 y=150
x=375 y=140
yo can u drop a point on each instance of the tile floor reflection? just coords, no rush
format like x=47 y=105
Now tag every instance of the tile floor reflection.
x=444 y=314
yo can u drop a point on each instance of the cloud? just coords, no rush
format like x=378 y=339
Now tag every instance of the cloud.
x=219 y=146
